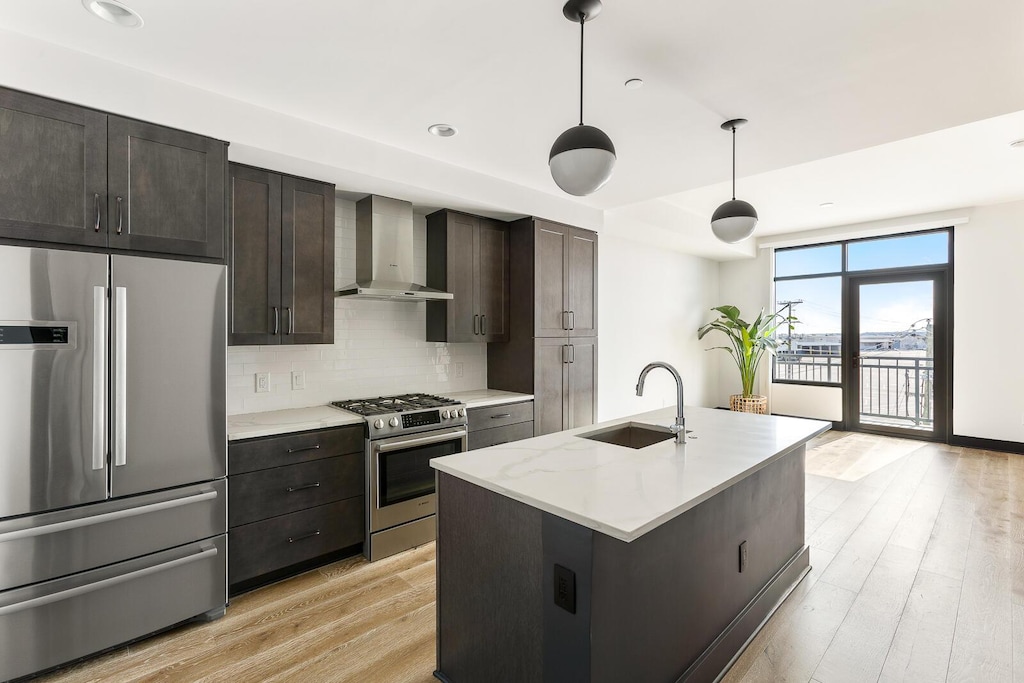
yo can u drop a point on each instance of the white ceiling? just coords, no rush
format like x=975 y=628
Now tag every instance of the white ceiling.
x=818 y=80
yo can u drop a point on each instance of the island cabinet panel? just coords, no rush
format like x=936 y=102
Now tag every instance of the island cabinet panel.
x=672 y=605
x=294 y=502
x=552 y=347
x=468 y=256
x=281 y=263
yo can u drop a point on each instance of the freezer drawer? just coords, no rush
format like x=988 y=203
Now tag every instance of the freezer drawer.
x=58 y=621
x=47 y=546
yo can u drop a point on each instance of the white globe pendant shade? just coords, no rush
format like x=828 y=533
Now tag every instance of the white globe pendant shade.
x=582 y=160
x=734 y=221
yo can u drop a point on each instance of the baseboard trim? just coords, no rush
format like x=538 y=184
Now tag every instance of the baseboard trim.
x=730 y=644
x=987 y=444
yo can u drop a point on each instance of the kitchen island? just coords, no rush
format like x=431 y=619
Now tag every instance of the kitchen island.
x=563 y=558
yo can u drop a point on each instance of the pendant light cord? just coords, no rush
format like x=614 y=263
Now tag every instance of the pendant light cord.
x=734 y=162
x=583 y=19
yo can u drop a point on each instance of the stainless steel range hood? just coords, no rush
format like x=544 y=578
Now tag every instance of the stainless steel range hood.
x=384 y=254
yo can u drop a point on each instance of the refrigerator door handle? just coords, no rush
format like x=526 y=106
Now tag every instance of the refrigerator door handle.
x=99 y=377
x=105 y=583
x=120 y=374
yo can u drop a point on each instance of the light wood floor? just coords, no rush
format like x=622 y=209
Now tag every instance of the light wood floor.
x=918 y=575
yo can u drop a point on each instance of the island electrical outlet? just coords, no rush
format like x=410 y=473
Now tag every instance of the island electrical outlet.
x=565 y=589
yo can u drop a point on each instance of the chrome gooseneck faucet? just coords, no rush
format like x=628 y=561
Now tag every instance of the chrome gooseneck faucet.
x=679 y=428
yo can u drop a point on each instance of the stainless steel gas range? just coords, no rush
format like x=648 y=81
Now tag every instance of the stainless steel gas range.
x=403 y=433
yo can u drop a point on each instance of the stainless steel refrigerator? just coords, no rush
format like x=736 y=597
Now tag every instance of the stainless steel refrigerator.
x=112 y=451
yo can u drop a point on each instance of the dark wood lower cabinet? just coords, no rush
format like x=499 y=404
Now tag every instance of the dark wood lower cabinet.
x=503 y=423
x=294 y=502
x=564 y=383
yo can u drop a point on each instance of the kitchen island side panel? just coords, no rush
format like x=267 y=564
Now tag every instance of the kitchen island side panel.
x=489 y=572
x=662 y=600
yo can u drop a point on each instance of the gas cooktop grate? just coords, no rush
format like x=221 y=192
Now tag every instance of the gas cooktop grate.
x=383 y=405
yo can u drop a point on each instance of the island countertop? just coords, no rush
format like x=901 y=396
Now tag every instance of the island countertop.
x=624 y=492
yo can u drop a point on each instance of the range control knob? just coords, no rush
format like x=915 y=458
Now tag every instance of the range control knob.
x=445 y=415
x=462 y=412
x=378 y=424
x=394 y=422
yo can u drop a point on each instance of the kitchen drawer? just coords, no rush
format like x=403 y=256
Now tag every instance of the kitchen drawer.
x=53 y=544
x=263 y=547
x=500 y=415
x=280 y=490
x=482 y=438
x=58 y=621
x=275 y=451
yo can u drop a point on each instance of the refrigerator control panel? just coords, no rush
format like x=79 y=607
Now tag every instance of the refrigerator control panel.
x=34 y=334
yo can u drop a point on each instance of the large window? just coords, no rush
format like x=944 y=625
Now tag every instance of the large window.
x=809 y=285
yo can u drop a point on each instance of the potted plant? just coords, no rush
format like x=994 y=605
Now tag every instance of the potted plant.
x=748 y=342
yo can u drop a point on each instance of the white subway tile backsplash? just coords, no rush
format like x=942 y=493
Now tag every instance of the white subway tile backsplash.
x=379 y=346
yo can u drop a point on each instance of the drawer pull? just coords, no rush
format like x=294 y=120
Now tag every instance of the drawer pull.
x=496 y=417
x=306 y=448
x=302 y=538
x=314 y=485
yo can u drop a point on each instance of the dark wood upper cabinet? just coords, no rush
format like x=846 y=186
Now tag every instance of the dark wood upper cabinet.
x=53 y=171
x=281 y=262
x=166 y=189
x=468 y=256
x=565 y=281
x=73 y=175
x=582 y=283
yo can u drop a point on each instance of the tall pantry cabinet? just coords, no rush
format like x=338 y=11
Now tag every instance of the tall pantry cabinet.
x=552 y=347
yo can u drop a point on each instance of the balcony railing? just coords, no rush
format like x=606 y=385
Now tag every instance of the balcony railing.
x=894 y=390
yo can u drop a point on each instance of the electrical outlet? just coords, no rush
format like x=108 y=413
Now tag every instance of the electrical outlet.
x=298 y=380
x=743 y=557
x=565 y=589
x=262 y=382
x=458 y=370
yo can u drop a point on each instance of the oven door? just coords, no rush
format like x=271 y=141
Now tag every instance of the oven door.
x=401 y=478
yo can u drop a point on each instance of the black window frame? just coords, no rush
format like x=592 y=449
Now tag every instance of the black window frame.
x=845 y=275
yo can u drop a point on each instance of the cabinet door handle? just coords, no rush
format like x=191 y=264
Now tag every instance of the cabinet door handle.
x=119 y=215
x=314 y=447
x=496 y=417
x=565 y=353
x=565 y=320
x=314 y=485
x=304 y=537
x=476 y=324
x=96 y=205
x=572 y=353
x=572 y=320
x=483 y=324
x=291 y=320
x=277 y=320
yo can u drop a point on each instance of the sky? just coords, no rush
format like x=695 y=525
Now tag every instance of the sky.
x=884 y=307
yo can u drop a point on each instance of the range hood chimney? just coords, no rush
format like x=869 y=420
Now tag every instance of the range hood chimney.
x=384 y=253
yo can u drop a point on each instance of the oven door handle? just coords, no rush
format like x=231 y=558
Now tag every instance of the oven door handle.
x=421 y=441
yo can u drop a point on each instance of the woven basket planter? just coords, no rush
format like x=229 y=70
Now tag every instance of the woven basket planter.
x=749 y=404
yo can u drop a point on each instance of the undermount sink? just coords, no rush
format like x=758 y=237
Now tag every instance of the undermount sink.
x=631 y=435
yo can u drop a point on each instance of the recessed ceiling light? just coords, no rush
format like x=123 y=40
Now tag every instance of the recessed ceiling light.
x=114 y=12
x=634 y=84
x=1017 y=144
x=442 y=130
x=827 y=205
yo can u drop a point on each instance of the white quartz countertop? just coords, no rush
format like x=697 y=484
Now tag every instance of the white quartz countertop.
x=273 y=422
x=481 y=398
x=623 y=492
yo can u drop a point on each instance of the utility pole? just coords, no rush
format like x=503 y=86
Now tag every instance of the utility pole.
x=789 y=332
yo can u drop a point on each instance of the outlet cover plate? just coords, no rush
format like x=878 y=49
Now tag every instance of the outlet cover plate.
x=298 y=380
x=262 y=382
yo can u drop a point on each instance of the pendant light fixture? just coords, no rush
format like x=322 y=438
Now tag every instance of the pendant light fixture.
x=734 y=221
x=582 y=157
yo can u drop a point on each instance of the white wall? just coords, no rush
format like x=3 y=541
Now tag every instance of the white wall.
x=378 y=346
x=988 y=324
x=651 y=302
